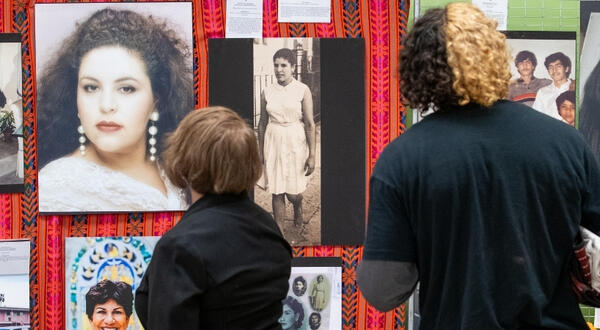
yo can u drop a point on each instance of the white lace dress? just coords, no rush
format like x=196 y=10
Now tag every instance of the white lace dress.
x=75 y=185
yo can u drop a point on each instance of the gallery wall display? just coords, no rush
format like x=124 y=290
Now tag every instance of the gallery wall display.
x=544 y=72
x=112 y=80
x=284 y=87
x=382 y=26
x=314 y=297
x=90 y=262
x=589 y=92
x=11 y=114
x=14 y=284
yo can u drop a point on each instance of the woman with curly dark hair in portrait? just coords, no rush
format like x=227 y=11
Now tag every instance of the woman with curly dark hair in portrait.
x=117 y=84
x=480 y=202
x=589 y=119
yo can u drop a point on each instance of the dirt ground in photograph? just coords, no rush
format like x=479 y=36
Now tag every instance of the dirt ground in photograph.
x=310 y=232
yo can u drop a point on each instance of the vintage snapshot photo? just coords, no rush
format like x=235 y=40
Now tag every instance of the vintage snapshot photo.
x=14 y=284
x=544 y=72
x=100 y=266
x=305 y=99
x=113 y=79
x=314 y=299
x=288 y=125
x=11 y=114
x=589 y=91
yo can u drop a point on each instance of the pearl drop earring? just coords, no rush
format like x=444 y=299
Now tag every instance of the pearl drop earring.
x=152 y=140
x=82 y=140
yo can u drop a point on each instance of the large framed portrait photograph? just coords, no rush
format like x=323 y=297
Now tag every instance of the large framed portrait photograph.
x=97 y=267
x=112 y=80
x=544 y=72
x=305 y=99
x=589 y=93
x=314 y=299
x=11 y=114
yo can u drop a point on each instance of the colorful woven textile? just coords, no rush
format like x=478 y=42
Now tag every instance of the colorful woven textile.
x=382 y=23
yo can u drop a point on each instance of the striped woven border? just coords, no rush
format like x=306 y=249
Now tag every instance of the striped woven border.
x=382 y=23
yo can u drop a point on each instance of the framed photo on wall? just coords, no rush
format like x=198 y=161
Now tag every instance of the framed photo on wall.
x=112 y=80
x=11 y=114
x=99 y=266
x=589 y=93
x=305 y=99
x=314 y=298
x=544 y=72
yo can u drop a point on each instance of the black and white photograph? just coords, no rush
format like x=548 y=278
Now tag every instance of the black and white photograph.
x=14 y=284
x=287 y=121
x=318 y=305
x=113 y=79
x=544 y=72
x=589 y=91
x=11 y=114
x=305 y=99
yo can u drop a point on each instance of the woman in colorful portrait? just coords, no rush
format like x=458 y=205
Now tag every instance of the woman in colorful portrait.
x=115 y=87
x=287 y=138
x=109 y=305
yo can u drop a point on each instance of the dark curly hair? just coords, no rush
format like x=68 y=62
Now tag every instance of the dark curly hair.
x=286 y=54
x=425 y=76
x=295 y=306
x=559 y=56
x=589 y=115
x=165 y=54
x=106 y=290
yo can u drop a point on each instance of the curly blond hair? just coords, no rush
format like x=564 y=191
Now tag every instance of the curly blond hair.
x=477 y=55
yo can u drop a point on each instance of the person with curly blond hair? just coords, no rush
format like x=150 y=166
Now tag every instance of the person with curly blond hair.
x=472 y=202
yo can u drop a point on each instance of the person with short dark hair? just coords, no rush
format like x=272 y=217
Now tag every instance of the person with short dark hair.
x=314 y=320
x=299 y=286
x=480 y=202
x=225 y=265
x=287 y=137
x=524 y=88
x=109 y=304
x=565 y=103
x=559 y=68
x=292 y=315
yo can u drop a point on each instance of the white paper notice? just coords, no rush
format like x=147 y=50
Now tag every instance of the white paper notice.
x=14 y=257
x=304 y=11
x=496 y=9
x=244 y=19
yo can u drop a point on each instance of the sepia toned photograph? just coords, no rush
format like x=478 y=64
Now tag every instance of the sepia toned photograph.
x=113 y=79
x=589 y=93
x=288 y=126
x=305 y=98
x=11 y=114
x=103 y=273
x=314 y=297
x=544 y=72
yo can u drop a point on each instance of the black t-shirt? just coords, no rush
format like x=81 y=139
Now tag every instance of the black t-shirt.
x=486 y=202
x=225 y=265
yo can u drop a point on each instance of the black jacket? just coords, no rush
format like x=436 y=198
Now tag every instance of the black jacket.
x=225 y=265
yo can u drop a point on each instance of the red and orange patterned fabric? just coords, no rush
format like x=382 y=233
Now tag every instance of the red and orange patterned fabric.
x=382 y=23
